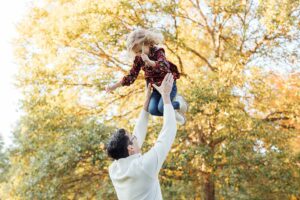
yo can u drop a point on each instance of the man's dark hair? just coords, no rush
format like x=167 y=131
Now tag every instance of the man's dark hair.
x=116 y=147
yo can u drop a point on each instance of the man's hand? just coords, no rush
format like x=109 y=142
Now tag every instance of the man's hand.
x=148 y=91
x=166 y=85
x=165 y=88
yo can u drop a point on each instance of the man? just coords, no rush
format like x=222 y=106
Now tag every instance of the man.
x=135 y=176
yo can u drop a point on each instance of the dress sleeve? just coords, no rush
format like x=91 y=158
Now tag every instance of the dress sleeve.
x=133 y=73
x=161 y=62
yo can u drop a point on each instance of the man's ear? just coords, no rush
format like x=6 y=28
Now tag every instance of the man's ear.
x=130 y=148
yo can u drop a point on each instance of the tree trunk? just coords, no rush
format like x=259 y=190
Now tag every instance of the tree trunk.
x=209 y=188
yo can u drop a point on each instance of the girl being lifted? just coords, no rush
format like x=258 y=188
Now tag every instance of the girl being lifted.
x=144 y=46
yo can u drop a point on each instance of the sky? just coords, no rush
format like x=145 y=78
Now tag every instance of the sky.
x=10 y=13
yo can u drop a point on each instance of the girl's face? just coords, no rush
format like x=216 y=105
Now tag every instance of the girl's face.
x=137 y=49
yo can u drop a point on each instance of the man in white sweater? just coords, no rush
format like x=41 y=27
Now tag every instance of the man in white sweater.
x=135 y=175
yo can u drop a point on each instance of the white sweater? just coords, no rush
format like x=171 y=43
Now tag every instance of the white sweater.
x=136 y=177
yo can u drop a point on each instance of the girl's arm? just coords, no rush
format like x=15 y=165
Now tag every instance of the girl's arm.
x=133 y=74
x=129 y=78
x=110 y=88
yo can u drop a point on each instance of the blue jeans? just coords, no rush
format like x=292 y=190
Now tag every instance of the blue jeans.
x=156 y=104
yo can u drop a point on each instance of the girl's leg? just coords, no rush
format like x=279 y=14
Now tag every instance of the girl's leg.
x=172 y=96
x=154 y=100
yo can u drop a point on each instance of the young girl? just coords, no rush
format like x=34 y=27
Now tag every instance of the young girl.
x=143 y=45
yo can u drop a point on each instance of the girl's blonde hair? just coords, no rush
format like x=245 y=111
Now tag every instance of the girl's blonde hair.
x=140 y=35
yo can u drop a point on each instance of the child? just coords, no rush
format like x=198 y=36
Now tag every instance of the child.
x=143 y=45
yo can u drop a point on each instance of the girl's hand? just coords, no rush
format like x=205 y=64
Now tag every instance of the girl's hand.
x=145 y=58
x=109 y=88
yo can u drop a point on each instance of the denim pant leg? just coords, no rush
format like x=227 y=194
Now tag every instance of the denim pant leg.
x=172 y=95
x=154 y=100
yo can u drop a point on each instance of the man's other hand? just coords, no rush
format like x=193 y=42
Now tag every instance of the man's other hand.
x=166 y=86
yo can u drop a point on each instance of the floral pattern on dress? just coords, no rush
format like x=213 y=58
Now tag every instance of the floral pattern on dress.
x=154 y=75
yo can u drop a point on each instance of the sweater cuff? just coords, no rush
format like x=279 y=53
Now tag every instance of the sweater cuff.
x=144 y=112
x=168 y=109
x=168 y=106
x=123 y=82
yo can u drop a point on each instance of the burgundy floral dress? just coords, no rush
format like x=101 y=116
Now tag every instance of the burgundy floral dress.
x=153 y=75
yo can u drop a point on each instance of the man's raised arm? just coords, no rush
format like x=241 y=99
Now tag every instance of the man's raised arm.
x=153 y=160
x=140 y=128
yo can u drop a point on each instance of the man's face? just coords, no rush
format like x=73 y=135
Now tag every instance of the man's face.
x=133 y=147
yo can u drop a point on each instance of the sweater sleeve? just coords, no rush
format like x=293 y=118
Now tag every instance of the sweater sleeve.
x=140 y=128
x=153 y=160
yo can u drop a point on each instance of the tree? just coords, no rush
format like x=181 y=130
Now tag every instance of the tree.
x=4 y=162
x=235 y=144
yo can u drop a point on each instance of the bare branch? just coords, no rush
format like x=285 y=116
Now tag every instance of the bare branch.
x=217 y=141
x=200 y=56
